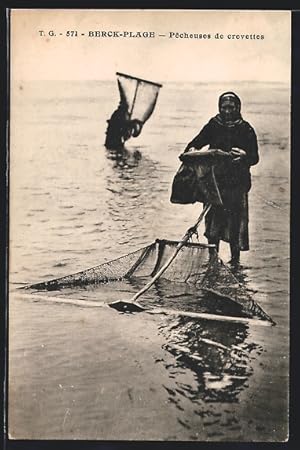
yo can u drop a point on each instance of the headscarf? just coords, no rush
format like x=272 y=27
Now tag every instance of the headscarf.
x=233 y=98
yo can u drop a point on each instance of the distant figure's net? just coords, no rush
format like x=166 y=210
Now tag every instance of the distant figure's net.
x=139 y=95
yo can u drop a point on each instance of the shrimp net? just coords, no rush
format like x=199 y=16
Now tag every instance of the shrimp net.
x=197 y=264
x=139 y=95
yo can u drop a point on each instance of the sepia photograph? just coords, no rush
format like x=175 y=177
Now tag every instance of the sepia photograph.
x=149 y=225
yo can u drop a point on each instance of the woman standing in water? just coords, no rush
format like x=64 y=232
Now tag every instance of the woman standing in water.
x=121 y=128
x=227 y=131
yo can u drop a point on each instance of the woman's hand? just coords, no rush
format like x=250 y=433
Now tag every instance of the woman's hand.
x=238 y=154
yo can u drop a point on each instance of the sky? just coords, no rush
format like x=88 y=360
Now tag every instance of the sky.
x=162 y=58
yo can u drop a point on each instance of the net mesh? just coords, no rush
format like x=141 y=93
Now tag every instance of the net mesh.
x=113 y=270
x=145 y=101
x=189 y=265
x=194 y=264
x=140 y=96
x=221 y=281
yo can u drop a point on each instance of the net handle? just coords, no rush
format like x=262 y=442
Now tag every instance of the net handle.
x=137 y=78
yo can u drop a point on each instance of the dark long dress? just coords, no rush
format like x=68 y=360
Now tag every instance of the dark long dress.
x=230 y=221
x=120 y=128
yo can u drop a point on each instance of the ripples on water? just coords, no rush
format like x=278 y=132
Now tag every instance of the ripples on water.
x=75 y=205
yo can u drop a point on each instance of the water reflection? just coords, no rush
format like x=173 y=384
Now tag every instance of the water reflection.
x=220 y=354
x=124 y=158
x=133 y=194
x=131 y=166
x=216 y=352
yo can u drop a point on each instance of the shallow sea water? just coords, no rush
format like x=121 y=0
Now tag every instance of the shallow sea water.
x=92 y=373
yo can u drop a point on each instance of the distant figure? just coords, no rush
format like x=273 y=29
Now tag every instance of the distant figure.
x=227 y=131
x=121 y=128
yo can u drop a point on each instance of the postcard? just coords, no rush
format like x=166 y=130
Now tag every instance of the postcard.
x=149 y=218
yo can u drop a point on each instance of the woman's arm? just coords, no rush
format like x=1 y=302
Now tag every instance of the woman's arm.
x=201 y=140
x=252 y=157
x=249 y=153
